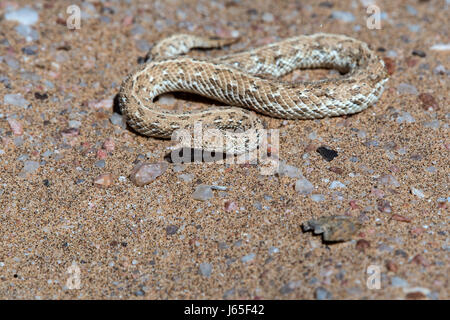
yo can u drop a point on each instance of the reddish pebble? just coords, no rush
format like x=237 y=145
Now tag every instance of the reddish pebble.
x=415 y=295
x=230 y=206
x=390 y=65
x=417 y=231
x=16 y=127
x=353 y=205
x=362 y=245
x=391 y=266
x=144 y=173
x=70 y=132
x=103 y=180
x=428 y=102
x=420 y=260
x=401 y=218
x=109 y=145
x=411 y=62
x=101 y=154
x=128 y=20
x=336 y=170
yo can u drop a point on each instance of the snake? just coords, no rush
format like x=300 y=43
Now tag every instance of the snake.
x=248 y=83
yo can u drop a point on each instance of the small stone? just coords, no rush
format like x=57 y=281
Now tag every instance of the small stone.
x=419 y=53
x=420 y=260
x=405 y=117
x=167 y=99
x=336 y=170
x=230 y=206
x=205 y=269
x=267 y=17
x=389 y=180
x=303 y=186
x=144 y=173
x=70 y=132
x=202 y=193
x=16 y=126
x=102 y=104
x=100 y=163
x=24 y=16
x=440 y=47
x=74 y=124
x=323 y=294
x=417 y=192
x=172 y=229
x=429 y=103
x=400 y=218
x=285 y=169
x=343 y=16
x=390 y=65
x=327 y=154
x=317 y=197
x=16 y=100
x=118 y=120
x=399 y=282
x=391 y=266
x=404 y=88
x=101 y=154
x=186 y=177
x=362 y=245
x=384 y=206
x=290 y=286
x=415 y=296
x=104 y=180
x=249 y=257
x=108 y=145
x=30 y=166
x=337 y=184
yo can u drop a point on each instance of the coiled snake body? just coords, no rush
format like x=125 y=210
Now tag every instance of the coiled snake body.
x=248 y=80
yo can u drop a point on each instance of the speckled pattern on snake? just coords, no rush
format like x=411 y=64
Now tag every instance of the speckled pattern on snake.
x=249 y=80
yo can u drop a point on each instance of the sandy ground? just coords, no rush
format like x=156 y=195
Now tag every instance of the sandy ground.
x=64 y=237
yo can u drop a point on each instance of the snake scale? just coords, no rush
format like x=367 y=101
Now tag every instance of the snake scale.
x=248 y=80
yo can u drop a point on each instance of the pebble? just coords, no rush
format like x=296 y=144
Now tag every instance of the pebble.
x=428 y=101
x=24 y=16
x=108 y=145
x=102 y=104
x=384 y=206
x=230 y=206
x=16 y=126
x=16 y=100
x=322 y=294
x=343 y=16
x=202 y=193
x=186 y=177
x=336 y=184
x=249 y=257
x=167 y=99
x=205 y=269
x=30 y=50
x=327 y=154
x=405 y=88
x=144 y=173
x=104 y=180
x=100 y=163
x=267 y=17
x=290 y=286
x=362 y=245
x=317 y=197
x=440 y=47
x=389 y=180
x=74 y=124
x=118 y=120
x=172 y=229
x=399 y=282
x=285 y=169
x=30 y=166
x=419 y=53
x=303 y=186
x=405 y=117
x=27 y=32
x=417 y=192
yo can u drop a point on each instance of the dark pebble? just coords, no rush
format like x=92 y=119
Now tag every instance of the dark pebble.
x=141 y=60
x=171 y=230
x=41 y=96
x=326 y=4
x=30 y=51
x=419 y=53
x=46 y=182
x=381 y=49
x=327 y=154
